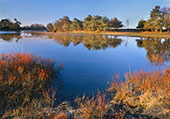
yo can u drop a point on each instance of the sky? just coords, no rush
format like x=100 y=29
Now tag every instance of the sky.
x=45 y=11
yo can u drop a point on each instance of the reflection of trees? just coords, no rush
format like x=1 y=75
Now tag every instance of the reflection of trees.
x=9 y=37
x=95 y=42
x=99 y=42
x=158 y=50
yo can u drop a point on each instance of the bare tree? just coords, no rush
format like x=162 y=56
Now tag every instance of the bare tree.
x=127 y=24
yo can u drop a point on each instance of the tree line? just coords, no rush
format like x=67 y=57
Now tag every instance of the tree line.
x=34 y=27
x=90 y=23
x=7 y=24
x=159 y=20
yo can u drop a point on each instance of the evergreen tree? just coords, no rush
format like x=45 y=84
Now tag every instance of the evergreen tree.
x=49 y=27
x=141 y=24
x=115 y=23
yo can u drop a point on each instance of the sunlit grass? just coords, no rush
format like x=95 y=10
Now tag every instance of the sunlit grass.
x=145 y=91
x=25 y=80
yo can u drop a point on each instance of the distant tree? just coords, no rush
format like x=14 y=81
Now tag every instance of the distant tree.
x=104 y=23
x=76 y=24
x=63 y=24
x=49 y=27
x=127 y=24
x=37 y=27
x=155 y=13
x=6 y=24
x=96 y=23
x=141 y=24
x=17 y=24
x=155 y=16
x=155 y=22
x=115 y=23
x=90 y=23
x=149 y=25
x=166 y=18
x=66 y=23
x=87 y=22
x=57 y=25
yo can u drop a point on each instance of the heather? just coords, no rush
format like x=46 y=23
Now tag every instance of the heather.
x=142 y=92
x=24 y=80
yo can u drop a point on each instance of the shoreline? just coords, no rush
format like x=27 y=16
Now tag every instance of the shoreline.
x=134 y=34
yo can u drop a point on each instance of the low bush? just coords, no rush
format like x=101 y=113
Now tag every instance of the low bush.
x=148 y=92
x=24 y=79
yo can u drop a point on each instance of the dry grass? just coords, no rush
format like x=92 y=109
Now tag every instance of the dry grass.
x=147 y=91
x=94 y=108
x=140 y=34
x=24 y=83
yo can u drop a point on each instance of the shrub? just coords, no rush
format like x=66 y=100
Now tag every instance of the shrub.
x=24 y=79
x=146 y=91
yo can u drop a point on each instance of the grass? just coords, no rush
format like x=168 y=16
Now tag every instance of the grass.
x=24 y=83
x=96 y=107
x=148 y=92
x=135 y=34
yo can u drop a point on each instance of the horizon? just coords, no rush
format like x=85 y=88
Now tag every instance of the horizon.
x=43 y=12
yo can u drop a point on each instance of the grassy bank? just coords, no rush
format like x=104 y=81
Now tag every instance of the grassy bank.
x=139 y=34
x=144 y=93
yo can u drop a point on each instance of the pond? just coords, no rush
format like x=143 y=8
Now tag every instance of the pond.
x=89 y=61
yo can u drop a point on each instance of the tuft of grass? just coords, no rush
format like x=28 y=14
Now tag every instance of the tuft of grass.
x=146 y=91
x=94 y=108
x=24 y=82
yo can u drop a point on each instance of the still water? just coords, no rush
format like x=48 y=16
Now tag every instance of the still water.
x=90 y=60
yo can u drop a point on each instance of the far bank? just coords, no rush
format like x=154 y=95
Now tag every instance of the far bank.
x=135 y=34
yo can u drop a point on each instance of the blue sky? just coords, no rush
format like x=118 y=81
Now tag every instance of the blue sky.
x=45 y=11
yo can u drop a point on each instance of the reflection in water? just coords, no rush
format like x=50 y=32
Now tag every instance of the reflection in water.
x=158 y=50
x=9 y=37
x=95 y=42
